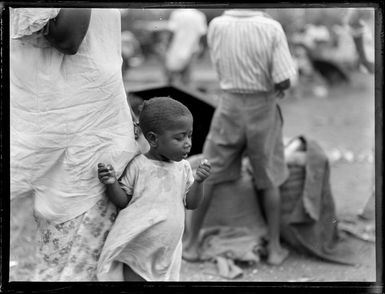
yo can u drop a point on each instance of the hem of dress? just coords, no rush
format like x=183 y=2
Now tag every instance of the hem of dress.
x=71 y=216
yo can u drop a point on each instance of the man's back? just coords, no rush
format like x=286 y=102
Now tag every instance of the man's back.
x=249 y=51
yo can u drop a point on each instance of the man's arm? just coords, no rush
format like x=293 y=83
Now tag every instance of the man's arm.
x=66 y=32
x=282 y=86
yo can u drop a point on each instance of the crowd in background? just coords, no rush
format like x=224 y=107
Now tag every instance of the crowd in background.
x=322 y=34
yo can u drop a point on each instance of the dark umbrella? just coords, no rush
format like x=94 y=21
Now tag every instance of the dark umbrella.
x=201 y=106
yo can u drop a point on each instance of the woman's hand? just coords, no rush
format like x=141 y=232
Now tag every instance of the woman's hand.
x=106 y=174
x=203 y=171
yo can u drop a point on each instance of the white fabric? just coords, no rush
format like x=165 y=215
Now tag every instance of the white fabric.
x=26 y=21
x=147 y=234
x=188 y=26
x=249 y=51
x=67 y=113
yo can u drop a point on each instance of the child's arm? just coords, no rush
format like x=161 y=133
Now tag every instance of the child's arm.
x=195 y=196
x=114 y=191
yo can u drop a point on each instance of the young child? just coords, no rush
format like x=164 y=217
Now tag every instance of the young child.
x=145 y=243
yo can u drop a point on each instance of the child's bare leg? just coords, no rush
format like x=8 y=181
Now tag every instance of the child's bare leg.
x=191 y=245
x=271 y=202
x=131 y=276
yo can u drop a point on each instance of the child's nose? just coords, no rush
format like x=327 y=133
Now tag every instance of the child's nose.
x=188 y=142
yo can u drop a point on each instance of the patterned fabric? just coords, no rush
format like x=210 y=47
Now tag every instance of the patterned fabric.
x=249 y=51
x=70 y=251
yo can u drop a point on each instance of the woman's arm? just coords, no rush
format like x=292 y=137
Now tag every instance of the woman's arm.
x=66 y=32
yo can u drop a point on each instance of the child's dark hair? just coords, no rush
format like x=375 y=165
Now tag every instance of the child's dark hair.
x=159 y=113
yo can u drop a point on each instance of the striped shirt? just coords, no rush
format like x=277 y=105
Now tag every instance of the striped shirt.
x=249 y=51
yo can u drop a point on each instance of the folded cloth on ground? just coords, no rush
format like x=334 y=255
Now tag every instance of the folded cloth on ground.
x=227 y=269
x=236 y=243
x=358 y=228
x=295 y=152
x=226 y=245
x=309 y=220
x=233 y=226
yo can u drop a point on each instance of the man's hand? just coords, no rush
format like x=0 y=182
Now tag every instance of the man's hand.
x=280 y=88
x=369 y=66
x=106 y=174
x=203 y=171
x=279 y=94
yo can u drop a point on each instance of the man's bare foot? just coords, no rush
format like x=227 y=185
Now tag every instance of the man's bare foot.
x=277 y=257
x=190 y=253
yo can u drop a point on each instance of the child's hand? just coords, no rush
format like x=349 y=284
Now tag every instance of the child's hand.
x=106 y=174
x=203 y=171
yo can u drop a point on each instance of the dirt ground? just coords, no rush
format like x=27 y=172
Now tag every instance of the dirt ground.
x=342 y=122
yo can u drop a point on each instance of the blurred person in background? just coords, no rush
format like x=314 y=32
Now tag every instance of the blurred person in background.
x=131 y=52
x=361 y=25
x=188 y=28
x=68 y=111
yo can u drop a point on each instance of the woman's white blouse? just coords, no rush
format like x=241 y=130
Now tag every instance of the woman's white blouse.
x=67 y=112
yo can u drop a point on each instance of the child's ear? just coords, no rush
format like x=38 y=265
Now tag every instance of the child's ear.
x=152 y=139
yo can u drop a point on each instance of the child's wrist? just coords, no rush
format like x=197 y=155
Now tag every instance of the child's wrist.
x=110 y=181
x=199 y=180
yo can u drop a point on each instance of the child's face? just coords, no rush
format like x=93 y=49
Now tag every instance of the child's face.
x=175 y=143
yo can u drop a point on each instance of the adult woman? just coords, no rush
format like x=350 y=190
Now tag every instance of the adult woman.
x=68 y=112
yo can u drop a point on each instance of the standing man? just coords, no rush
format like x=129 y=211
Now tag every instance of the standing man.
x=361 y=25
x=188 y=27
x=250 y=54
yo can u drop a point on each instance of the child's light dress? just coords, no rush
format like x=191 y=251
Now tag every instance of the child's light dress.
x=147 y=234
